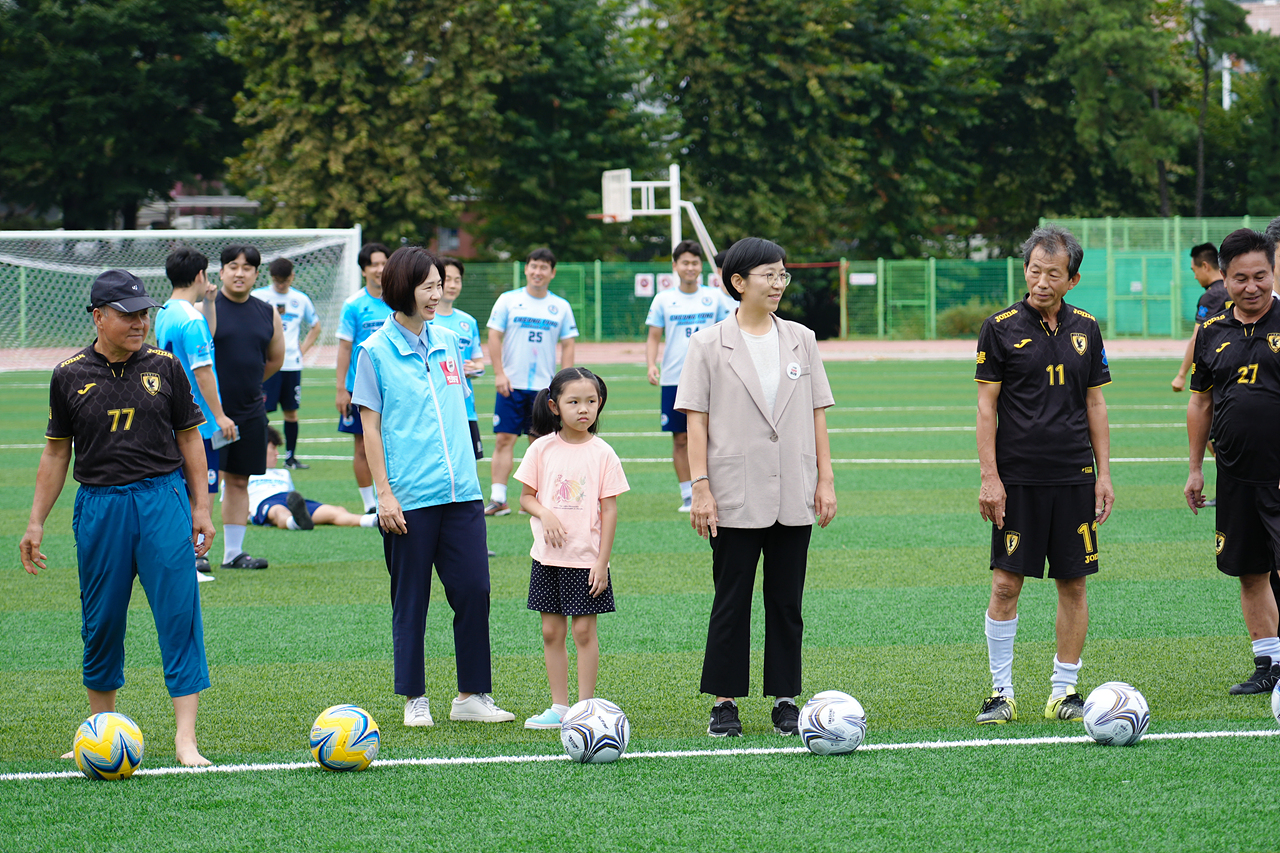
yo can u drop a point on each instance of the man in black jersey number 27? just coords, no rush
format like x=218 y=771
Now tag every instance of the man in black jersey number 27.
x=1044 y=450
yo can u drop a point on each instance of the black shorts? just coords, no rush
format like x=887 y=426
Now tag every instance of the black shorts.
x=1248 y=527
x=555 y=589
x=284 y=389
x=1054 y=522
x=247 y=455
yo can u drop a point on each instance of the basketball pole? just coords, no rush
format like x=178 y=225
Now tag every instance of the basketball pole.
x=616 y=189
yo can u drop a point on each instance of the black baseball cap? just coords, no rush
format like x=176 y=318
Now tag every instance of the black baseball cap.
x=122 y=290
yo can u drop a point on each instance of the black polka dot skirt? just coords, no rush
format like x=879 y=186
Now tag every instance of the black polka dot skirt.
x=557 y=589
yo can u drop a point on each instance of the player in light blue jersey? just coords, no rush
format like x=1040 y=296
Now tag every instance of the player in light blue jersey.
x=362 y=315
x=467 y=329
x=285 y=388
x=524 y=327
x=182 y=330
x=678 y=314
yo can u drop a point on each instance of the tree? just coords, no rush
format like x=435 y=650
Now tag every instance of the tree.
x=371 y=112
x=105 y=104
x=1212 y=25
x=574 y=112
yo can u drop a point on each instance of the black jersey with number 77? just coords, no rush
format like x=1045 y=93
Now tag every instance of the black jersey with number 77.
x=1042 y=432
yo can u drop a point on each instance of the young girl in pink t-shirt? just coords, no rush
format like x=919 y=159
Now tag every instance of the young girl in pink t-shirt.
x=572 y=480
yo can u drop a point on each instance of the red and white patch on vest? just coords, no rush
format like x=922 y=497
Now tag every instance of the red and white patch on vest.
x=450 y=369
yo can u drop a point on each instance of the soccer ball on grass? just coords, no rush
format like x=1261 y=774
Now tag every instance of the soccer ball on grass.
x=832 y=723
x=108 y=746
x=595 y=731
x=345 y=737
x=1116 y=714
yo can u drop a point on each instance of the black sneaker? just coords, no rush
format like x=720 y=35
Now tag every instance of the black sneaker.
x=724 y=721
x=786 y=718
x=1263 y=680
x=295 y=464
x=202 y=565
x=297 y=505
x=244 y=561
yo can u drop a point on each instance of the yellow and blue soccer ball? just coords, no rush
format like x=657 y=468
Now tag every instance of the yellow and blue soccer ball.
x=345 y=737
x=108 y=746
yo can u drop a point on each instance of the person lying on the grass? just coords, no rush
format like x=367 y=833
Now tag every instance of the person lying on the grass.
x=275 y=502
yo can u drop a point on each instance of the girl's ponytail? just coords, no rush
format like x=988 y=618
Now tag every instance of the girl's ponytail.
x=543 y=420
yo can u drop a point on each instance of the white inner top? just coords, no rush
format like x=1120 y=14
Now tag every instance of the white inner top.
x=764 y=353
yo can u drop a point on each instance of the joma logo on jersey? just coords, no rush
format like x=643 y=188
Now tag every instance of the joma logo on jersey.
x=1219 y=542
x=1080 y=341
x=982 y=357
x=1224 y=346
x=1011 y=540
x=1086 y=314
x=1022 y=343
x=151 y=383
x=1273 y=341
x=1006 y=315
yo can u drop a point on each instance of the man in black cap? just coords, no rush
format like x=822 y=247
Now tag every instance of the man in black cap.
x=126 y=409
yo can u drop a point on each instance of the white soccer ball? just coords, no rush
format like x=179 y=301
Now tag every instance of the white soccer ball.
x=1116 y=714
x=595 y=731
x=1275 y=703
x=832 y=723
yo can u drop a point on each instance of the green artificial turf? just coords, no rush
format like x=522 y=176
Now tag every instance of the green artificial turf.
x=896 y=589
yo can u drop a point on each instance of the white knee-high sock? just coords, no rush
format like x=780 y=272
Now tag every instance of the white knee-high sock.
x=1000 y=636
x=232 y=541
x=1267 y=647
x=1065 y=675
x=369 y=495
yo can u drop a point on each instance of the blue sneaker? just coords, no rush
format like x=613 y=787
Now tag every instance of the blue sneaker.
x=548 y=719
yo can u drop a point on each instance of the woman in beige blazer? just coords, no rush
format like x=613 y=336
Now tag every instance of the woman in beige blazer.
x=756 y=394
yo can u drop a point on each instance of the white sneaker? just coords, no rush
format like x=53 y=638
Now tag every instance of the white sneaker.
x=417 y=712
x=201 y=577
x=687 y=506
x=479 y=708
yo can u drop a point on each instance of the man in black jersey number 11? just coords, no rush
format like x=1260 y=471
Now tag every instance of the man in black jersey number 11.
x=1045 y=454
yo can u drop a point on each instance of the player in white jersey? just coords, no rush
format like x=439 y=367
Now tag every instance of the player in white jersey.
x=525 y=326
x=678 y=314
x=285 y=388
x=273 y=502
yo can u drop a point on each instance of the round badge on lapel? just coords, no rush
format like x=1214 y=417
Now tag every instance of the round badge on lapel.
x=793 y=371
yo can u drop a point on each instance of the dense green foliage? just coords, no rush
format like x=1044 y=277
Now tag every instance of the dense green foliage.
x=895 y=592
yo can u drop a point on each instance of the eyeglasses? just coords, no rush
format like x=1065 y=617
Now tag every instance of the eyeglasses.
x=773 y=277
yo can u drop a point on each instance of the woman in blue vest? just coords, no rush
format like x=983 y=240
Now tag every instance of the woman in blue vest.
x=412 y=396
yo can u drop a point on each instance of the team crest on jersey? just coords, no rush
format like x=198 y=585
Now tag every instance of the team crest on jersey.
x=706 y=300
x=1273 y=341
x=552 y=309
x=1011 y=540
x=1219 y=542
x=151 y=382
x=464 y=325
x=1080 y=341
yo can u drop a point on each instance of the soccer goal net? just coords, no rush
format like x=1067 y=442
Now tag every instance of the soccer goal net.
x=45 y=276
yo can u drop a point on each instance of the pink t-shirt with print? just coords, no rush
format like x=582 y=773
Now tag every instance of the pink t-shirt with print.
x=571 y=480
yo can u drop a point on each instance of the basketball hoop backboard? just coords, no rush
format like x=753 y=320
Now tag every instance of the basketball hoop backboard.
x=615 y=190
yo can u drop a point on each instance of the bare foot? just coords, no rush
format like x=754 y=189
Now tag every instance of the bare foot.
x=189 y=755
x=71 y=754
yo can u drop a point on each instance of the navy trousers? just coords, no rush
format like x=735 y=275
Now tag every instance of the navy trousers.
x=452 y=537
x=735 y=555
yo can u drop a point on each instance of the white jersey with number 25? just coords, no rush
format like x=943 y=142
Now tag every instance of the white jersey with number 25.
x=531 y=328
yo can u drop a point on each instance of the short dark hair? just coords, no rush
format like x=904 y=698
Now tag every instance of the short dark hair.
x=274 y=438
x=367 y=251
x=1054 y=239
x=281 y=268
x=543 y=254
x=1242 y=242
x=543 y=420
x=718 y=260
x=454 y=262
x=1205 y=253
x=693 y=247
x=184 y=264
x=744 y=256
x=407 y=268
x=252 y=256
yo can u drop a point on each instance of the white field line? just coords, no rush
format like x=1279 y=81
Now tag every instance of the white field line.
x=690 y=753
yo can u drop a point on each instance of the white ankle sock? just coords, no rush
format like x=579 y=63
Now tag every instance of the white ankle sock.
x=369 y=521
x=370 y=497
x=498 y=493
x=1000 y=637
x=292 y=524
x=686 y=490
x=560 y=709
x=781 y=699
x=1065 y=675
x=1268 y=647
x=232 y=541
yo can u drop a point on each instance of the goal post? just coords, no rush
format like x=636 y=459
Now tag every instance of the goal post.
x=45 y=276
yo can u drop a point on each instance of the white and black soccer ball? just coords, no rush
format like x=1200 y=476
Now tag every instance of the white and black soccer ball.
x=1116 y=714
x=595 y=731
x=1275 y=703
x=832 y=723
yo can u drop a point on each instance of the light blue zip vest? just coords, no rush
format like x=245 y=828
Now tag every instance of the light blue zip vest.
x=426 y=438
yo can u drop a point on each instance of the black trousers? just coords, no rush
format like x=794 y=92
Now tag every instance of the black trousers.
x=735 y=554
x=452 y=537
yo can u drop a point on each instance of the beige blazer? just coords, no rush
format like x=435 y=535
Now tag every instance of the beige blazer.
x=762 y=466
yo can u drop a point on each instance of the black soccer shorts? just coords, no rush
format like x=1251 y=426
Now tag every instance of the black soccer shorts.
x=1247 y=540
x=1053 y=522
